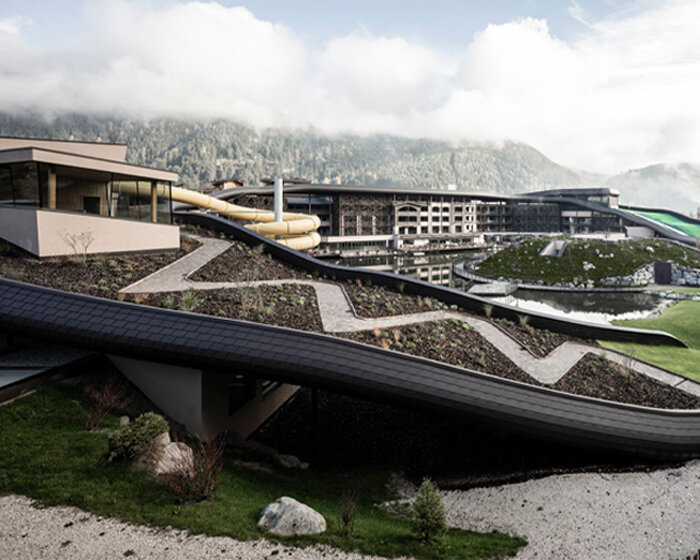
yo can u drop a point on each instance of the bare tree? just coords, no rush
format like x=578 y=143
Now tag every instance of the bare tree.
x=78 y=242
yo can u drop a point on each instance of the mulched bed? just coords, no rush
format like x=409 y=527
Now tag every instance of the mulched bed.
x=452 y=341
x=376 y=301
x=285 y=305
x=101 y=275
x=594 y=376
x=372 y=301
x=242 y=263
x=539 y=341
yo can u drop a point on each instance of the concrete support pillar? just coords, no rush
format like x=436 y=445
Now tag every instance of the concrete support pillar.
x=154 y=201
x=200 y=400
x=279 y=198
x=51 y=183
x=189 y=396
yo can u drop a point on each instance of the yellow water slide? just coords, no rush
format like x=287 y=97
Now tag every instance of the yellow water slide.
x=296 y=231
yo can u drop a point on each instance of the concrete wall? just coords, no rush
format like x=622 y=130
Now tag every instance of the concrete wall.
x=48 y=233
x=18 y=226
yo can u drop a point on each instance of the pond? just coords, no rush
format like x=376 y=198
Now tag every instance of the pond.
x=591 y=307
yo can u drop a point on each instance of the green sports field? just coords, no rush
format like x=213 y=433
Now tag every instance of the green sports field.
x=687 y=227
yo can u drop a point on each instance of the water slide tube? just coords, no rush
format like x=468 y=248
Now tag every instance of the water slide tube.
x=296 y=231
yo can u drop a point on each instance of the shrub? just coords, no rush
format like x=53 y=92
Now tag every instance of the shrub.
x=488 y=310
x=348 y=510
x=428 y=512
x=194 y=478
x=189 y=301
x=135 y=439
x=103 y=400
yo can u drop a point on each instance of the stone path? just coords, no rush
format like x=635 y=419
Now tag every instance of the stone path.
x=337 y=316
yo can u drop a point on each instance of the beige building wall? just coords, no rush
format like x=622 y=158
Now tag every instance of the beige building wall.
x=53 y=233
x=114 y=152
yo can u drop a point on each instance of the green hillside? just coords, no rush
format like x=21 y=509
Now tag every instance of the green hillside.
x=204 y=151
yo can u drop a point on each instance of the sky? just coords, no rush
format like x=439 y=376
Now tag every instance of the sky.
x=599 y=85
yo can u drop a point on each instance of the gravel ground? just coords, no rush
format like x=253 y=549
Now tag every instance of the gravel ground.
x=653 y=516
x=579 y=516
x=67 y=533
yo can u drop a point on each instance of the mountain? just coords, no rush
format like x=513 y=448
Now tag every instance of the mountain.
x=675 y=186
x=204 y=151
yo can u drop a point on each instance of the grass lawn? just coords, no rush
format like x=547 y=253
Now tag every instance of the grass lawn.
x=677 y=290
x=681 y=320
x=610 y=259
x=47 y=455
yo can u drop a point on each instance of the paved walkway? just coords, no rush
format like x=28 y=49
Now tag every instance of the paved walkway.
x=338 y=316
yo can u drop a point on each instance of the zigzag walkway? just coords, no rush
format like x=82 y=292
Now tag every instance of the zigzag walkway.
x=337 y=315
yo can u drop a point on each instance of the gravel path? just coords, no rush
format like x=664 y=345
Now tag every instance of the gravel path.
x=654 y=516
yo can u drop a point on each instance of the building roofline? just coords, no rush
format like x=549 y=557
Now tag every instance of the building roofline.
x=267 y=189
x=66 y=141
x=67 y=159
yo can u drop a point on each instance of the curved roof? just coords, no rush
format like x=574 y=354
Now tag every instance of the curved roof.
x=276 y=353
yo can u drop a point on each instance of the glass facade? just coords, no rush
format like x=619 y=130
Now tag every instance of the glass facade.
x=88 y=191
x=19 y=184
x=132 y=200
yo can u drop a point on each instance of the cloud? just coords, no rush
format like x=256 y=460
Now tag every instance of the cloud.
x=623 y=94
x=14 y=25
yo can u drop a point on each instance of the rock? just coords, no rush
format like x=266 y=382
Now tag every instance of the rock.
x=162 y=440
x=291 y=462
x=288 y=517
x=124 y=420
x=252 y=466
x=172 y=458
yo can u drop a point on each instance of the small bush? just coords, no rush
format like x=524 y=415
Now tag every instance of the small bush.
x=428 y=512
x=348 y=510
x=194 y=478
x=129 y=442
x=103 y=400
x=189 y=301
x=488 y=310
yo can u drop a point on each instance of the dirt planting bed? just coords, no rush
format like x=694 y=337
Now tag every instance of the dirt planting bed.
x=242 y=263
x=372 y=301
x=452 y=341
x=539 y=341
x=102 y=275
x=594 y=376
x=284 y=305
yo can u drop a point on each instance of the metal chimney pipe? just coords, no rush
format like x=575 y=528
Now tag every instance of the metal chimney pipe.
x=279 y=200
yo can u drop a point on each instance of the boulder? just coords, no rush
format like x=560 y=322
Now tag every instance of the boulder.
x=174 y=457
x=291 y=462
x=288 y=517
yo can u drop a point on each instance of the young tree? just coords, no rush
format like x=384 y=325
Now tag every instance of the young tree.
x=428 y=512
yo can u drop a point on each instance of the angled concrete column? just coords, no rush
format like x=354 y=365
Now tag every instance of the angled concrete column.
x=51 y=182
x=189 y=396
x=200 y=400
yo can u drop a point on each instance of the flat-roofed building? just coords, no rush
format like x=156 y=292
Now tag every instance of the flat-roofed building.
x=54 y=192
x=363 y=220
